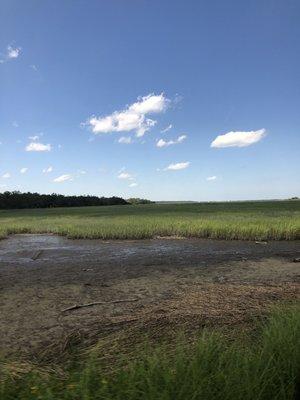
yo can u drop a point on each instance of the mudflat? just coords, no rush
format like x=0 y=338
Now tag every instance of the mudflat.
x=143 y=285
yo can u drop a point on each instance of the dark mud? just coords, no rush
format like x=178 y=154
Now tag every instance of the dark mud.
x=54 y=257
x=181 y=282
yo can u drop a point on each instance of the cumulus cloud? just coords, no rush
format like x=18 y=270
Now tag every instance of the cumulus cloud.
x=35 y=146
x=164 y=143
x=13 y=52
x=133 y=184
x=63 y=178
x=177 y=166
x=6 y=175
x=132 y=118
x=166 y=129
x=125 y=175
x=125 y=140
x=211 y=178
x=238 y=139
x=47 y=170
x=23 y=170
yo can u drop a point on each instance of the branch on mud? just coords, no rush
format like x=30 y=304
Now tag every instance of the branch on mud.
x=36 y=255
x=76 y=306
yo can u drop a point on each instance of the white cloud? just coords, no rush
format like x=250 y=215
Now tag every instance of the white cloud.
x=15 y=124
x=47 y=170
x=6 y=175
x=34 y=67
x=177 y=166
x=63 y=178
x=125 y=140
x=164 y=143
x=238 y=139
x=166 y=129
x=132 y=118
x=13 y=52
x=133 y=184
x=35 y=146
x=23 y=170
x=34 y=138
x=81 y=172
x=211 y=178
x=125 y=175
x=2 y=185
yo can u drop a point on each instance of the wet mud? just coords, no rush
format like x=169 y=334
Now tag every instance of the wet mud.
x=167 y=282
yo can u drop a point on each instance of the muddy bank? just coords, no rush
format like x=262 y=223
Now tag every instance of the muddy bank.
x=169 y=283
x=56 y=258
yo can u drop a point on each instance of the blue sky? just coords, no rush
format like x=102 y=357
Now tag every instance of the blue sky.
x=90 y=88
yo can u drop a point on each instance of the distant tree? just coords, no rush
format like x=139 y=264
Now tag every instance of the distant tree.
x=9 y=200
x=136 y=200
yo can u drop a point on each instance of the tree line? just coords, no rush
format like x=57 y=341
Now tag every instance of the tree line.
x=16 y=199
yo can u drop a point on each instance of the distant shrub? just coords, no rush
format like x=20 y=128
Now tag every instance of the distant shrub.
x=136 y=200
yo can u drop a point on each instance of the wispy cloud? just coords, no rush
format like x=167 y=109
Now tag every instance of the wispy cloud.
x=34 y=138
x=34 y=67
x=133 y=184
x=164 y=143
x=6 y=175
x=47 y=170
x=177 y=166
x=211 y=178
x=238 y=139
x=63 y=178
x=15 y=124
x=23 y=170
x=132 y=118
x=35 y=146
x=166 y=129
x=125 y=140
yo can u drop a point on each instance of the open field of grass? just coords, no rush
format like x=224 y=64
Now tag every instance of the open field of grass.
x=260 y=220
x=265 y=367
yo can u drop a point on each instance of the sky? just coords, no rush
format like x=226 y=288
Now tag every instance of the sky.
x=160 y=99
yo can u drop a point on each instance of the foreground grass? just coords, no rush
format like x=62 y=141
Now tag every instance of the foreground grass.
x=278 y=220
x=215 y=368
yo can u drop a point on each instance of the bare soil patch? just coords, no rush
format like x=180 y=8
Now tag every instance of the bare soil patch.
x=173 y=284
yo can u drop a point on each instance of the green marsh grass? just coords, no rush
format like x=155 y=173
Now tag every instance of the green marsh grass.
x=261 y=220
x=267 y=367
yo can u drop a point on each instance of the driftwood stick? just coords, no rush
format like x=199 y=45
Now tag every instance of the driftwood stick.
x=36 y=255
x=94 y=303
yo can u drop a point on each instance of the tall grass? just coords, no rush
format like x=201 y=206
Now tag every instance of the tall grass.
x=240 y=220
x=215 y=368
